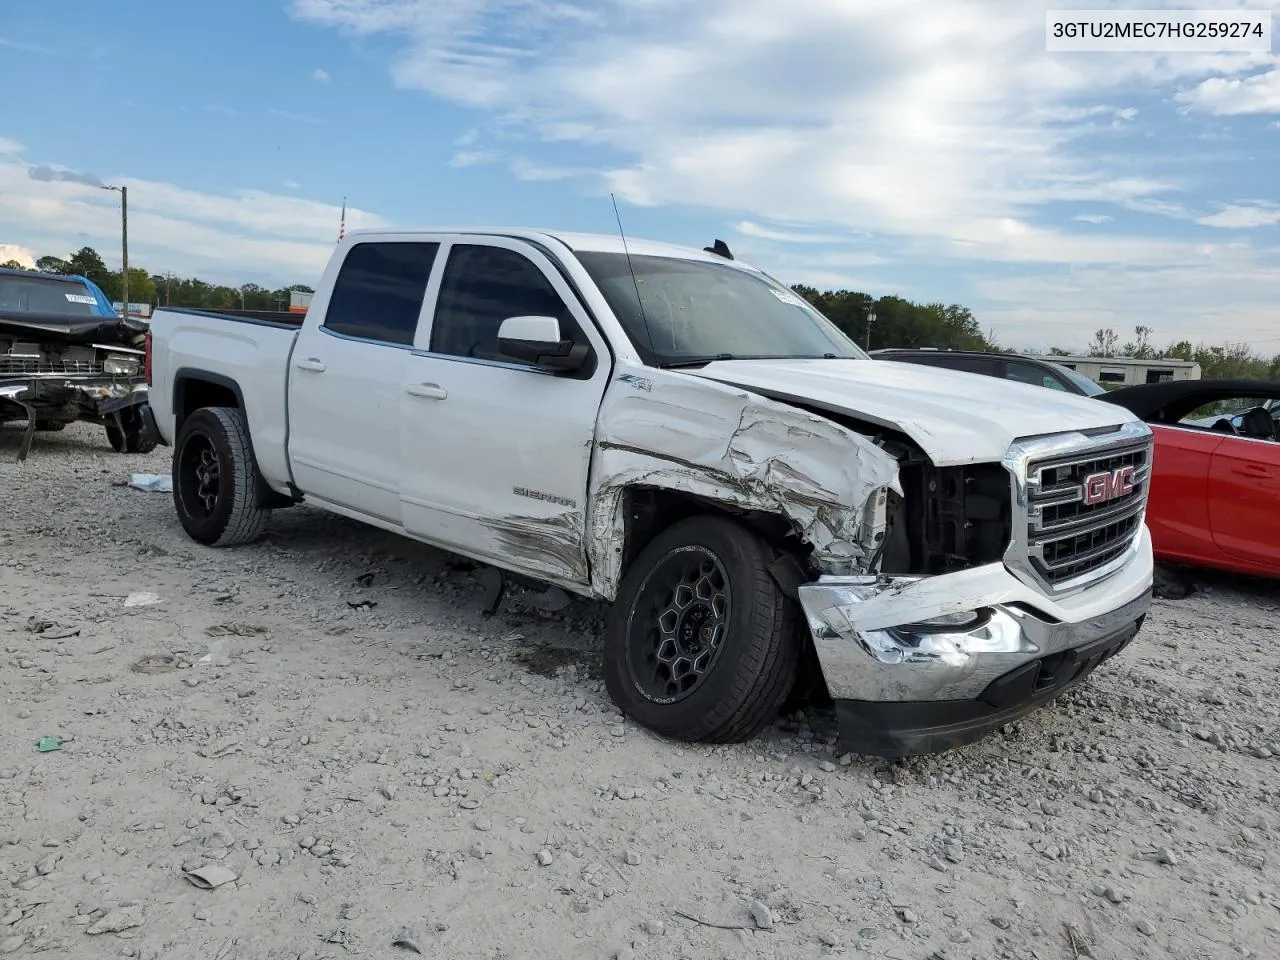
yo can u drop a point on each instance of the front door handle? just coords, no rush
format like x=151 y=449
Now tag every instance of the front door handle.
x=311 y=364
x=427 y=391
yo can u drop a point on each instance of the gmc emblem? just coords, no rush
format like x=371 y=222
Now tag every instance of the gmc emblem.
x=1107 y=485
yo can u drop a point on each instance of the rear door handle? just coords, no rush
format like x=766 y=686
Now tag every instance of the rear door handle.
x=311 y=364
x=427 y=391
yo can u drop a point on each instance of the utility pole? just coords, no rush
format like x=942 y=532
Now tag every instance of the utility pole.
x=124 y=244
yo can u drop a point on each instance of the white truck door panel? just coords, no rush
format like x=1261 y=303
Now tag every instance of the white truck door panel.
x=345 y=379
x=495 y=454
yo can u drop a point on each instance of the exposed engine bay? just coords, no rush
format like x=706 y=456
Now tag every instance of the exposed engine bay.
x=57 y=369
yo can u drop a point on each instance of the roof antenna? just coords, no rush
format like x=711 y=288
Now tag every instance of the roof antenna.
x=720 y=249
x=634 y=282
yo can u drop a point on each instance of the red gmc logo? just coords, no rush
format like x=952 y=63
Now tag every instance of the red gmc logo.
x=1108 y=485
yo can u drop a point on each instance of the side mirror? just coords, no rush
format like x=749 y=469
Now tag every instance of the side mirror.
x=537 y=340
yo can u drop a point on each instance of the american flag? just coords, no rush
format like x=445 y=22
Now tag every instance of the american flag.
x=342 y=224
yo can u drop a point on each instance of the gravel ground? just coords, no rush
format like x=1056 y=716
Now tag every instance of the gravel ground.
x=373 y=760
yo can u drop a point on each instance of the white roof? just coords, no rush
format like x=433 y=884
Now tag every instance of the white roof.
x=594 y=242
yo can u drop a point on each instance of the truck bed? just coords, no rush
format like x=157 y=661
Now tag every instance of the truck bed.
x=269 y=318
x=251 y=354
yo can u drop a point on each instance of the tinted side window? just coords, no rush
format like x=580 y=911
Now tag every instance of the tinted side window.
x=483 y=286
x=967 y=364
x=1030 y=373
x=379 y=290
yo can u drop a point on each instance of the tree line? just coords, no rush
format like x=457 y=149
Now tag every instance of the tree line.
x=897 y=322
x=901 y=323
x=166 y=290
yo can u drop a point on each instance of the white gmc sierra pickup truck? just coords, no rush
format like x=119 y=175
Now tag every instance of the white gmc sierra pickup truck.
x=678 y=433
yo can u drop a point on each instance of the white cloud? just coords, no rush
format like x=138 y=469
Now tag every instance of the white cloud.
x=17 y=253
x=1227 y=290
x=943 y=121
x=471 y=158
x=320 y=76
x=230 y=237
x=527 y=170
x=1161 y=208
x=944 y=130
x=27 y=47
x=749 y=229
x=292 y=184
x=1243 y=216
x=1229 y=96
x=9 y=146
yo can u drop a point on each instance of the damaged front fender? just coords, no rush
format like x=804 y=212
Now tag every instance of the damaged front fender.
x=668 y=431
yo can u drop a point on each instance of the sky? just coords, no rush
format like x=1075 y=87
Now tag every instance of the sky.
x=931 y=150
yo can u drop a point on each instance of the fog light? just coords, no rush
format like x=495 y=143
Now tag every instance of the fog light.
x=959 y=622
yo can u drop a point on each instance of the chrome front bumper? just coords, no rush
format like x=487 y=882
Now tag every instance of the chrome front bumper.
x=964 y=638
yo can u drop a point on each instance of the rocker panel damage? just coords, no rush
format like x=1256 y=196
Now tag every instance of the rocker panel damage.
x=742 y=450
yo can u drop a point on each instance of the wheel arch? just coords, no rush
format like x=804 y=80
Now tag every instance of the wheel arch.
x=193 y=389
x=646 y=511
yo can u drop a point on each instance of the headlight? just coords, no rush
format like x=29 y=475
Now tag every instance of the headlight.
x=120 y=365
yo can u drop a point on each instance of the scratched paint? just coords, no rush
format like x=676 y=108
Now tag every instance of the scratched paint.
x=550 y=546
x=733 y=447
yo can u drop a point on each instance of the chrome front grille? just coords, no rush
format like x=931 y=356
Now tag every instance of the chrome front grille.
x=1079 y=504
x=37 y=366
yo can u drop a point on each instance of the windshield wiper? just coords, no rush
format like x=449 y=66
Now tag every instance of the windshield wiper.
x=696 y=361
x=703 y=361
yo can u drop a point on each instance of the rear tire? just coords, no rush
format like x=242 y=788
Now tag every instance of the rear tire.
x=701 y=643
x=133 y=439
x=216 y=479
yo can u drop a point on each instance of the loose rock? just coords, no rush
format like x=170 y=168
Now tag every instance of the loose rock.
x=122 y=918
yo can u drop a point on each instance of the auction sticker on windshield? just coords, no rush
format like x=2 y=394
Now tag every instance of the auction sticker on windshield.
x=80 y=298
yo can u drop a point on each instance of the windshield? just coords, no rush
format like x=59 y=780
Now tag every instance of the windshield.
x=1090 y=388
x=695 y=312
x=41 y=295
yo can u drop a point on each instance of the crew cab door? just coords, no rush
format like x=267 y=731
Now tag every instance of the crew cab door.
x=496 y=453
x=346 y=374
x=1244 y=498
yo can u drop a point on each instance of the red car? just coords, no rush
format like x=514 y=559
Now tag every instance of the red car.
x=1215 y=486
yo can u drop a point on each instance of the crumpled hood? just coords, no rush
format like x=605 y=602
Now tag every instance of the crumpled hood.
x=72 y=328
x=955 y=417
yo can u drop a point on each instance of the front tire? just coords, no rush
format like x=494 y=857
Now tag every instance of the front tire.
x=216 y=479
x=701 y=643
